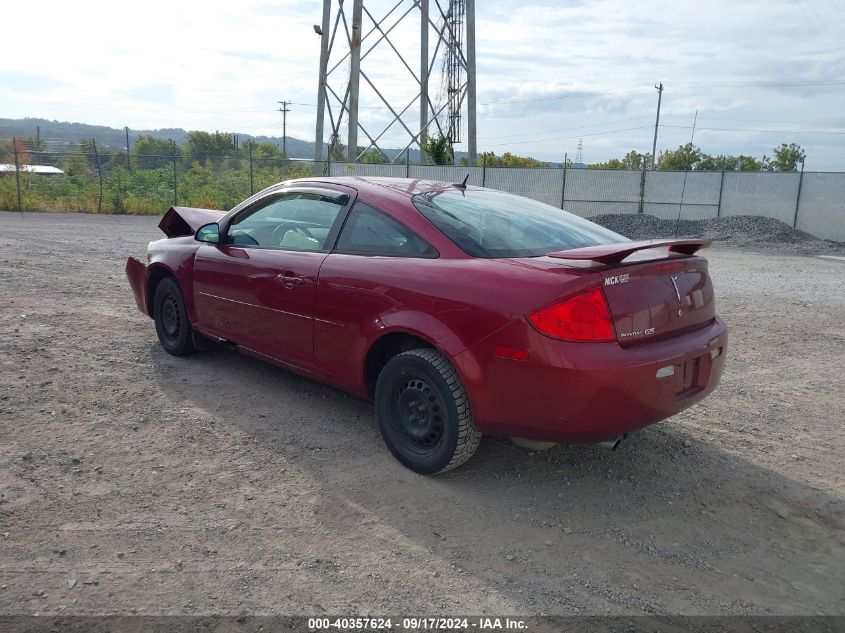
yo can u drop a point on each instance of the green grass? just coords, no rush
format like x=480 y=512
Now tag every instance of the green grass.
x=216 y=185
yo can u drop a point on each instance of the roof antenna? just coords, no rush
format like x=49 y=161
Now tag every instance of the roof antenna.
x=462 y=185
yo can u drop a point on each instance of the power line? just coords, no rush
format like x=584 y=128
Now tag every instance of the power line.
x=756 y=120
x=756 y=84
x=560 y=138
x=567 y=129
x=570 y=95
x=733 y=129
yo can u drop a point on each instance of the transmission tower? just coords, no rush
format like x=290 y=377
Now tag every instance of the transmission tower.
x=579 y=155
x=454 y=64
x=347 y=43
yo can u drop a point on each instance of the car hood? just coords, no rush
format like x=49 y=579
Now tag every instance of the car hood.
x=183 y=221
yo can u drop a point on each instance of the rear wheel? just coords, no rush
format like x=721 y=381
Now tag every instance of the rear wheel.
x=423 y=412
x=171 y=319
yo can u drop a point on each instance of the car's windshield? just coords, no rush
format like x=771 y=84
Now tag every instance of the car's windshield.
x=492 y=224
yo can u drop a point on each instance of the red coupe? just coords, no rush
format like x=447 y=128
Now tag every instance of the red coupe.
x=458 y=310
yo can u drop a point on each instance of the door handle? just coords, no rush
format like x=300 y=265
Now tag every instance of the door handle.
x=289 y=280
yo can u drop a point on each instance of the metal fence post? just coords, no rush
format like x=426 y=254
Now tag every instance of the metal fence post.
x=128 y=162
x=721 y=188
x=99 y=176
x=175 y=175
x=17 y=172
x=798 y=195
x=408 y=163
x=483 y=171
x=251 y=188
x=563 y=188
x=641 y=208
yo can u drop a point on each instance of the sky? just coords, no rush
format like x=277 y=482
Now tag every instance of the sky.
x=758 y=72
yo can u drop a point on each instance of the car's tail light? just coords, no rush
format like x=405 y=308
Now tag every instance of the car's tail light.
x=584 y=316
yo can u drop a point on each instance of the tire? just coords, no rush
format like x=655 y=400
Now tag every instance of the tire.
x=171 y=319
x=423 y=412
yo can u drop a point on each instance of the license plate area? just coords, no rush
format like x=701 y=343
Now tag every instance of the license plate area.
x=691 y=376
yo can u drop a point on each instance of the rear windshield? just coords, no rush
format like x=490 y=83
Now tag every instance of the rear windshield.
x=492 y=224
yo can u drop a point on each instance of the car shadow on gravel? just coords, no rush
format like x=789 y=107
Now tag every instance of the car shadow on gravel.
x=663 y=524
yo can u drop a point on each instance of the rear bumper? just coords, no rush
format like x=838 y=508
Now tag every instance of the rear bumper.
x=137 y=274
x=587 y=392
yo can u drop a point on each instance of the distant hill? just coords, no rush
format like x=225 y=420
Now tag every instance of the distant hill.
x=72 y=133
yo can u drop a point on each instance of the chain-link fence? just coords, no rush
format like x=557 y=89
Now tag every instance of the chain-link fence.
x=40 y=177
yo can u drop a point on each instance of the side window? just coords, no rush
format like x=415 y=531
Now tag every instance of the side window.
x=368 y=231
x=295 y=222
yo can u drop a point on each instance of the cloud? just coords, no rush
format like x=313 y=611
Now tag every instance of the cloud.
x=568 y=68
x=22 y=82
x=162 y=94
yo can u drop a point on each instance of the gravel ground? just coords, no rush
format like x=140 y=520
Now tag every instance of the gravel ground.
x=135 y=482
x=750 y=232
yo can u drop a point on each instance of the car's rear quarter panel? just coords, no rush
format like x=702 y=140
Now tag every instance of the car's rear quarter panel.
x=451 y=303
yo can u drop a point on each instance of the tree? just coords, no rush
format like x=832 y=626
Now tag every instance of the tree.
x=151 y=152
x=685 y=158
x=439 y=150
x=507 y=159
x=633 y=160
x=7 y=152
x=613 y=163
x=374 y=156
x=265 y=151
x=203 y=145
x=636 y=160
x=76 y=168
x=730 y=163
x=786 y=158
x=337 y=151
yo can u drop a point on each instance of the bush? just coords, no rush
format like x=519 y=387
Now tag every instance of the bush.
x=218 y=184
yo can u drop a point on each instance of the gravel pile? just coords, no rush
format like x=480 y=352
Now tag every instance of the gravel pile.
x=742 y=231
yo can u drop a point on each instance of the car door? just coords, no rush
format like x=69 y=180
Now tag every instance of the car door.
x=257 y=286
x=372 y=272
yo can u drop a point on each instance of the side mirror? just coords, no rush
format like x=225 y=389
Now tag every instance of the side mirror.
x=208 y=233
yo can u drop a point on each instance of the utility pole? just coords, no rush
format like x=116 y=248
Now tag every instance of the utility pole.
x=694 y=122
x=284 y=110
x=423 y=78
x=354 y=79
x=472 y=146
x=656 y=124
x=323 y=32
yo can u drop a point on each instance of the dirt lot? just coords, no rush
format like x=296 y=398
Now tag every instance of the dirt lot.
x=133 y=481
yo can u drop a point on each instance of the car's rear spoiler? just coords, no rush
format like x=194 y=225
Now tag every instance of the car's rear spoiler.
x=615 y=253
x=181 y=221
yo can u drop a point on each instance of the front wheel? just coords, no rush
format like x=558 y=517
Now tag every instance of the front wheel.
x=171 y=319
x=423 y=412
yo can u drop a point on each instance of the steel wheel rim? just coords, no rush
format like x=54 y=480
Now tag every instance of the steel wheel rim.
x=418 y=414
x=171 y=319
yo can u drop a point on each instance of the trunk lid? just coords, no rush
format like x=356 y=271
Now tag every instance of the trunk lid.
x=667 y=294
x=658 y=299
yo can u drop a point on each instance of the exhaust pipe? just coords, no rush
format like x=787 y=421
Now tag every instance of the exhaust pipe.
x=613 y=443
